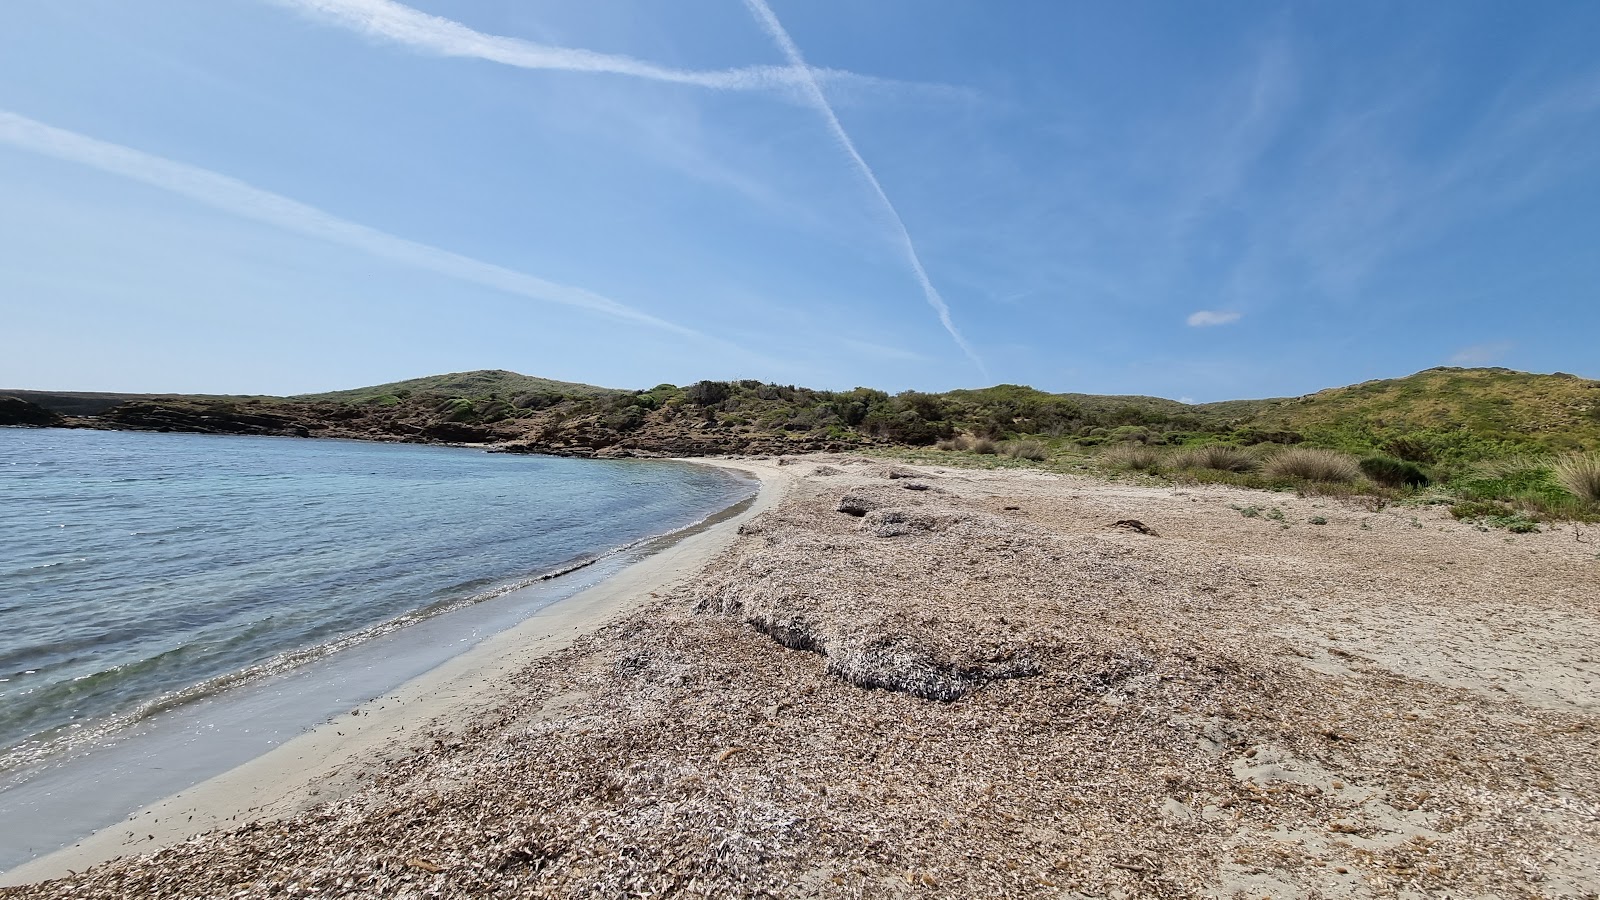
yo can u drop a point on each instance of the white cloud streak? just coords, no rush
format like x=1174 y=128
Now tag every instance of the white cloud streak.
x=241 y=199
x=883 y=351
x=812 y=92
x=1205 y=318
x=1481 y=354
x=397 y=23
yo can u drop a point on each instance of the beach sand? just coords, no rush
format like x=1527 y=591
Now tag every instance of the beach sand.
x=912 y=681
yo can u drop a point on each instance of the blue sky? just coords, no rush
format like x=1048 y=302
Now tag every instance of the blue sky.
x=1198 y=201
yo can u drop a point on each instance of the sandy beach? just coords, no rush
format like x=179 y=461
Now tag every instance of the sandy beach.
x=883 y=680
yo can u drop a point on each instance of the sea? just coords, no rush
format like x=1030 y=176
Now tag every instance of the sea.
x=152 y=584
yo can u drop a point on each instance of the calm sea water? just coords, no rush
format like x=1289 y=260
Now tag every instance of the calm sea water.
x=139 y=571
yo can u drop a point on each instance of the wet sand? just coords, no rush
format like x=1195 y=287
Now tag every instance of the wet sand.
x=933 y=682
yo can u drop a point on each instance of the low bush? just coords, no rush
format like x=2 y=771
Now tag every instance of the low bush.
x=1580 y=475
x=1391 y=472
x=973 y=444
x=1312 y=464
x=1136 y=457
x=1219 y=457
x=1035 y=450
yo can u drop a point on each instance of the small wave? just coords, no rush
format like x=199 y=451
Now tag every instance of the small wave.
x=49 y=565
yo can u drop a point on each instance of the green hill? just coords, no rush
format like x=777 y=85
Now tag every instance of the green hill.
x=1448 y=414
x=472 y=385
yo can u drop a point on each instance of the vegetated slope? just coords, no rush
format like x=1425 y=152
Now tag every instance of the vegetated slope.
x=93 y=403
x=1447 y=417
x=479 y=384
x=1448 y=414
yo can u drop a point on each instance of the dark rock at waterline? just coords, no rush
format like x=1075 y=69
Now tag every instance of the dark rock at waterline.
x=199 y=418
x=14 y=411
x=456 y=433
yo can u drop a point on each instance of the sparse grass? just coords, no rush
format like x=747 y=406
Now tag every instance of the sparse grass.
x=1035 y=450
x=1312 y=464
x=1135 y=457
x=1488 y=514
x=1580 y=475
x=1526 y=483
x=1217 y=457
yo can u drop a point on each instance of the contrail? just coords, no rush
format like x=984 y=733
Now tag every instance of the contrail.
x=239 y=198
x=813 y=94
x=392 y=21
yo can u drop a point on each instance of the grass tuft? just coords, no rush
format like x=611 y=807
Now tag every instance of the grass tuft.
x=1136 y=457
x=1312 y=464
x=1218 y=457
x=1580 y=475
x=1035 y=450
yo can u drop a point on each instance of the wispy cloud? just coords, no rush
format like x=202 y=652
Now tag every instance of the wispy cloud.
x=883 y=351
x=241 y=199
x=397 y=23
x=1205 y=318
x=1481 y=354
x=813 y=94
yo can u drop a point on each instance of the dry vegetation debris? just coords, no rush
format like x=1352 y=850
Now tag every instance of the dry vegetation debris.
x=1005 y=689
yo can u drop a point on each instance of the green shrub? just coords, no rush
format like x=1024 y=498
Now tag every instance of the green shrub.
x=459 y=409
x=708 y=393
x=1312 y=464
x=1580 y=475
x=1034 y=450
x=1219 y=457
x=1391 y=472
x=1137 y=457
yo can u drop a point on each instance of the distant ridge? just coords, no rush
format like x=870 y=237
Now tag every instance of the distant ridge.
x=480 y=383
x=1444 y=417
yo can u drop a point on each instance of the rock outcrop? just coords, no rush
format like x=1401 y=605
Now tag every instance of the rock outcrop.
x=14 y=411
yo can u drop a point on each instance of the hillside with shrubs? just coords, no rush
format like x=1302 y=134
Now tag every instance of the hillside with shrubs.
x=1503 y=447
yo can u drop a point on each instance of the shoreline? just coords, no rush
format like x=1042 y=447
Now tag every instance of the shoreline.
x=919 y=681
x=330 y=759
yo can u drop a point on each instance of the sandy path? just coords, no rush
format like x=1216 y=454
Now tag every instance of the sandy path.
x=331 y=760
x=953 y=683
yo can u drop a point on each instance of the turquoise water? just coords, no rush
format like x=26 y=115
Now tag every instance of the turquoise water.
x=143 y=571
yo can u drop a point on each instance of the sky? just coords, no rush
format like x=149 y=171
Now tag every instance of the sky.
x=1195 y=201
